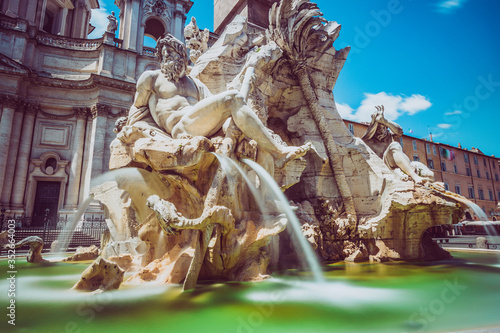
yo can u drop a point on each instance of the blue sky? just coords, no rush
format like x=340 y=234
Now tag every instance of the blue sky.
x=434 y=64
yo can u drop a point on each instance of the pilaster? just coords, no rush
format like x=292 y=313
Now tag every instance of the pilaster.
x=12 y=8
x=100 y=114
x=76 y=160
x=88 y=156
x=9 y=105
x=23 y=156
x=12 y=154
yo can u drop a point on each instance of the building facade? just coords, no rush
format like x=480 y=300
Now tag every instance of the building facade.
x=469 y=173
x=61 y=93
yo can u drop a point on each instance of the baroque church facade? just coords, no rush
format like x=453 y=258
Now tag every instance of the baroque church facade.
x=61 y=93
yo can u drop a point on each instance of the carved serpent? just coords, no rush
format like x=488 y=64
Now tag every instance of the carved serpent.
x=172 y=221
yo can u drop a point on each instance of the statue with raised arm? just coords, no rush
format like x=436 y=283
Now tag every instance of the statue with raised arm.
x=172 y=127
x=196 y=40
x=383 y=136
x=183 y=106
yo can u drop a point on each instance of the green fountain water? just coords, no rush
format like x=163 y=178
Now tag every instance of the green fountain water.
x=452 y=295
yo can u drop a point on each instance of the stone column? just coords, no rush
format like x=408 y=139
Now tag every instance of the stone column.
x=179 y=19
x=76 y=159
x=9 y=105
x=62 y=22
x=88 y=156
x=12 y=8
x=31 y=11
x=134 y=25
x=23 y=157
x=100 y=114
x=125 y=24
x=122 y=26
x=79 y=13
x=12 y=155
x=140 y=38
x=42 y=14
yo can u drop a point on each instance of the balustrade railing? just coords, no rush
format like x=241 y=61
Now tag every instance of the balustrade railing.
x=8 y=22
x=69 y=43
x=118 y=42
x=149 y=51
x=88 y=231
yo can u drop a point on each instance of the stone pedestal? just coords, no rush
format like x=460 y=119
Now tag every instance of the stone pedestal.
x=109 y=38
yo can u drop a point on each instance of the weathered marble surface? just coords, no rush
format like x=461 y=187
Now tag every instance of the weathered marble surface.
x=102 y=275
x=179 y=218
x=84 y=253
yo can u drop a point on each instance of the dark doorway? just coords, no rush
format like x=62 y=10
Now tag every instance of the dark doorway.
x=47 y=197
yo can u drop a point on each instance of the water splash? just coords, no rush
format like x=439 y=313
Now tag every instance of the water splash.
x=310 y=257
x=69 y=229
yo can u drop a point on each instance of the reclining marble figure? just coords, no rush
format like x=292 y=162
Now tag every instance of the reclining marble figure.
x=386 y=145
x=183 y=107
x=173 y=122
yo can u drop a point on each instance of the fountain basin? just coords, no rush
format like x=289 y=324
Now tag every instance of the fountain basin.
x=448 y=295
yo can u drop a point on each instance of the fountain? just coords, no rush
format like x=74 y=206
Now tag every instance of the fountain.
x=186 y=221
x=178 y=214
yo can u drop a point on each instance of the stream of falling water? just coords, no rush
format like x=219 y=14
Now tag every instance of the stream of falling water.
x=69 y=229
x=275 y=191
x=481 y=215
x=228 y=165
x=489 y=227
x=132 y=174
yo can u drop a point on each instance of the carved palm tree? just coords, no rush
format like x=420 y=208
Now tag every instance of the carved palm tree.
x=298 y=28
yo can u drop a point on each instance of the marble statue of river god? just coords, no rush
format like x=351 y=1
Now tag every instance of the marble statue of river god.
x=174 y=216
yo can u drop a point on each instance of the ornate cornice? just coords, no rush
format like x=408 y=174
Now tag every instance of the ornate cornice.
x=60 y=83
x=105 y=81
x=94 y=81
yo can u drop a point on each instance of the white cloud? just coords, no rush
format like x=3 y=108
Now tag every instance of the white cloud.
x=456 y=112
x=100 y=21
x=448 y=6
x=414 y=104
x=345 y=110
x=444 y=126
x=394 y=106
